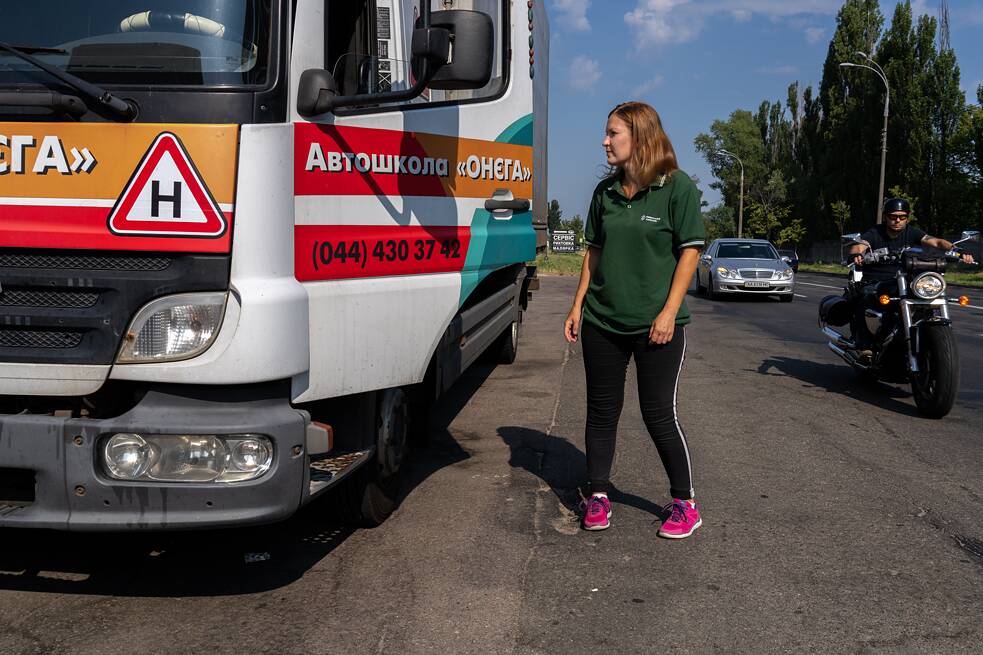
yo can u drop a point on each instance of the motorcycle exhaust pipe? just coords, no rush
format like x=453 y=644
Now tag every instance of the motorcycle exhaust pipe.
x=847 y=357
x=838 y=338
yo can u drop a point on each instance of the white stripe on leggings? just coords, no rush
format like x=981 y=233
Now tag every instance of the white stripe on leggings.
x=675 y=417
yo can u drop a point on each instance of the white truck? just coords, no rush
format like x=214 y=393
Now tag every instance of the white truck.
x=245 y=243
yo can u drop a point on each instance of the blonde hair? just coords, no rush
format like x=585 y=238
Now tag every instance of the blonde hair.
x=652 y=154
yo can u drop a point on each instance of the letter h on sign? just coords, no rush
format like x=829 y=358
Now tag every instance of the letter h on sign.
x=156 y=198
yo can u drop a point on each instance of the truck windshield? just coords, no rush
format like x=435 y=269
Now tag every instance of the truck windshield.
x=139 y=42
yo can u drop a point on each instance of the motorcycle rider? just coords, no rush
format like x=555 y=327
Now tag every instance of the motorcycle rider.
x=893 y=233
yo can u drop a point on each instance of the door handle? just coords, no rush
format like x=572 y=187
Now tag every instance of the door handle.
x=515 y=205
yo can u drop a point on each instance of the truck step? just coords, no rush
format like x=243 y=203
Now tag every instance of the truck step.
x=6 y=509
x=326 y=471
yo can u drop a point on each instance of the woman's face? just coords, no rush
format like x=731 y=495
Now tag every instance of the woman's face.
x=617 y=142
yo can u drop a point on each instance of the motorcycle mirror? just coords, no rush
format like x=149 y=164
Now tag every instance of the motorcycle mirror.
x=970 y=235
x=852 y=238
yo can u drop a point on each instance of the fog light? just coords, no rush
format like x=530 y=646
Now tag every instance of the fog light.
x=128 y=456
x=963 y=300
x=248 y=458
x=884 y=300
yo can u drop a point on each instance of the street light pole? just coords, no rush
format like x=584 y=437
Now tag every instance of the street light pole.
x=740 y=206
x=887 y=103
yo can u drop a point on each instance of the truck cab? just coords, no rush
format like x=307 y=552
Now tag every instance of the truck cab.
x=244 y=244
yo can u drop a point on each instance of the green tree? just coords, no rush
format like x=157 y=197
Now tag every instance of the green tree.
x=851 y=100
x=576 y=224
x=841 y=215
x=719 y=222
x=554 y=215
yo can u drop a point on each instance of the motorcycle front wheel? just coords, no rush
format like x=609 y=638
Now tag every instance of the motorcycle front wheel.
x=937 y=381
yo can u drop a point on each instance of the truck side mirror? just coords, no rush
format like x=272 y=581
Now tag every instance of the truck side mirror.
x=472 y=46
x=316 y=92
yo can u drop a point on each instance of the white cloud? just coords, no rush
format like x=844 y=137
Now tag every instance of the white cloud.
x=648 y=87
x=664 y=22
x=776 y=70
x=583 y=73
x=814 y=34
x=573 y=14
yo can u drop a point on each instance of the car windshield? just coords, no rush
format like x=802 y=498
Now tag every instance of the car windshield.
x=746 y=251
x=169 y=42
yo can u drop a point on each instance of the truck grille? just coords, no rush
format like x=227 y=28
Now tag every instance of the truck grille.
x=72 y=307
x=39 y=339
x=25 y=298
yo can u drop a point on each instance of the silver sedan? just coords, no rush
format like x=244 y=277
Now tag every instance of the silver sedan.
x=744 y=266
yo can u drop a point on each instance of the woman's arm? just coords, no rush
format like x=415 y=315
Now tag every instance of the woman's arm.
x=571 y=327
x=664 y=324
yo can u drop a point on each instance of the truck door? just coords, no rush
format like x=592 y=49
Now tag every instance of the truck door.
x=392 y=232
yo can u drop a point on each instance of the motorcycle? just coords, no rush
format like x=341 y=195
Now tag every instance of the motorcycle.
x=913 y=341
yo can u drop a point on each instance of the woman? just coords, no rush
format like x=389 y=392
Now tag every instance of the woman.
x=644 y=234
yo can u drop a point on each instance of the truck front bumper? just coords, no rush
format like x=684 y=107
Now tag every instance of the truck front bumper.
x=51 y=473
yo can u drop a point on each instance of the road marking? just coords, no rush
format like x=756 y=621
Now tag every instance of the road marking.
x=956 y=303
x=825 y=286
x=799 y=295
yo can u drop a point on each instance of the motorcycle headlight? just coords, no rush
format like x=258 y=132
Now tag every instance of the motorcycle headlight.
x=928 y=286
x=726 y=273
x=173 y=327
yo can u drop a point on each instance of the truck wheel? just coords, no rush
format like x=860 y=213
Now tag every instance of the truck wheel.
x=936 y=383
x=505 y=348
x=372 y=493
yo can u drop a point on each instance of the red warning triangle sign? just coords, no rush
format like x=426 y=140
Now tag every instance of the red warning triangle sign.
x=166 y=196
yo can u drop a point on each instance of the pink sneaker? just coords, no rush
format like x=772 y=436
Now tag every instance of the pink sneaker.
x=684 y=519
x=597 y=513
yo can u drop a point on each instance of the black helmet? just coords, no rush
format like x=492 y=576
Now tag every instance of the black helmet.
x=892 y=205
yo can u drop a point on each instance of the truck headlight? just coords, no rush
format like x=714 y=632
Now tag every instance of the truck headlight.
x=187 y=457
x=173 y=327
x=928 y=285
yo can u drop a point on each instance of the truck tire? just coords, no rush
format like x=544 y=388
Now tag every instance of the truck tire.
x=507 y=345
x=371 y=494
x=936 y=383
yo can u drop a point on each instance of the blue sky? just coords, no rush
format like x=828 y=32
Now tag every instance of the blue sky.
x=694 y=61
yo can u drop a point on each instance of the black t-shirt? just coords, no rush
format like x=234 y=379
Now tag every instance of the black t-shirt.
x=878 y=238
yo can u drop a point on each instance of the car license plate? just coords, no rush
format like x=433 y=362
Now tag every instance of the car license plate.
x=756 y=285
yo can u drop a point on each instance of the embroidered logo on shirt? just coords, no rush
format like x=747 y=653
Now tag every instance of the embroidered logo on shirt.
x=651 y=219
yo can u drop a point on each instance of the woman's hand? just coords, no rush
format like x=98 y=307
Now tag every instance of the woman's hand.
x=663 y=327
x=571 y=326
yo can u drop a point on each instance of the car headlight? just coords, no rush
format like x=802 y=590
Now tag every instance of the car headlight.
x=726 y=273
x=928 y=285
x=784 y=275
x=173 y=327
x=186 y=457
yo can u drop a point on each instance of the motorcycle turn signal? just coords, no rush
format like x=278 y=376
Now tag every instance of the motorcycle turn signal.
x=884 y=300
x=963 y=300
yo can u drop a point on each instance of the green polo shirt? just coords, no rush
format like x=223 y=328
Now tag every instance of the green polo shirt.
x=640 y=239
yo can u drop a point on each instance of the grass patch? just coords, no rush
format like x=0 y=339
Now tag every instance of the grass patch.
x=970 y=276
x=560 y=263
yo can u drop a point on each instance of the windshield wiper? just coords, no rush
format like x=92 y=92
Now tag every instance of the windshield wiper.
x=39 y=49
x=120 y=107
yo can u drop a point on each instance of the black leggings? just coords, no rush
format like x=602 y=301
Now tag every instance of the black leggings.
x=606 y=358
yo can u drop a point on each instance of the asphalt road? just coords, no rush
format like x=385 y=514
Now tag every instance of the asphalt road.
x=836 y=520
